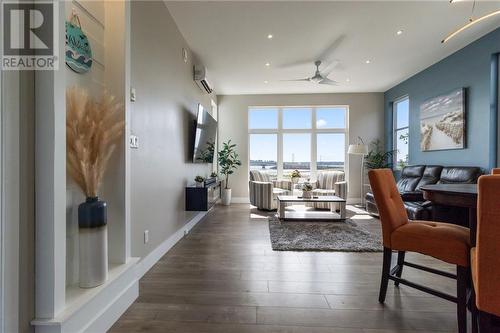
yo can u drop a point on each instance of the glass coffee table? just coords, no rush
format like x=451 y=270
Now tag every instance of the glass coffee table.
x=316 y=215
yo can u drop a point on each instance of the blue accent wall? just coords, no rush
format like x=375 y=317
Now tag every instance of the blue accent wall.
x=471 y=68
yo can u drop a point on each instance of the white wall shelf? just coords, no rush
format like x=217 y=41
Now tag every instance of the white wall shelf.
x=95 y=309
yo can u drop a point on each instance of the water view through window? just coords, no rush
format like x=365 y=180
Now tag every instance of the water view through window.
x=297 y=154
x=308 y=139
x=264 y=153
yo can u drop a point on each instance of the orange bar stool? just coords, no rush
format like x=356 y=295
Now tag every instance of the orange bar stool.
x=446 y=242
x=495 y=171
x=485 y=257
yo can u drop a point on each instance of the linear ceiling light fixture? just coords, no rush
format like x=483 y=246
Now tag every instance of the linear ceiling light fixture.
x=472 y=22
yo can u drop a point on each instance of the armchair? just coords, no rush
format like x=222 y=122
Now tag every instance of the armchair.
x=264 y=191
x=329 y=183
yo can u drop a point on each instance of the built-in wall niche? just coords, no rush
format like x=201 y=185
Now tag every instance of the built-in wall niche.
x=104 y=24
x=67 y=307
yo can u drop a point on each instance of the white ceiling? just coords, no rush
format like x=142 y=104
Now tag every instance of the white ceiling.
x=231 y=39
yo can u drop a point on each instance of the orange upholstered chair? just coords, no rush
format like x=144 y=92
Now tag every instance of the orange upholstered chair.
x=485 y=257
x=495 y=171
x=447 y=242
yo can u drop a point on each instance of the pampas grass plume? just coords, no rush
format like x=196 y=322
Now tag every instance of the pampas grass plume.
x=92 y=128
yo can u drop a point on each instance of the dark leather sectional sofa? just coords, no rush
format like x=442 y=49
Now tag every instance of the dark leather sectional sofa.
x=414 y=177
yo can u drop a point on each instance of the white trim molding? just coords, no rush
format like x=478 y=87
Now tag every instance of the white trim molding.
x=111 y=299
x=10 y=191
x=152 y=258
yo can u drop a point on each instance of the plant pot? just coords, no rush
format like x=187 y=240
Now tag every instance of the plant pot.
x=295 y=180
x=199 y=184
x=226 y=196
x=93 y=243
x=307 y=194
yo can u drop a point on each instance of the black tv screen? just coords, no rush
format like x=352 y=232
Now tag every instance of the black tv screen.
x=204 y=141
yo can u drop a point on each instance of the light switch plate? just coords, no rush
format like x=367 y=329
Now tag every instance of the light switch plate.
x=146 y=236
x=132 y=94
x=134 y=141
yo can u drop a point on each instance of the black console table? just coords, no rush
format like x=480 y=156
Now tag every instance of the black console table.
x=202 y=198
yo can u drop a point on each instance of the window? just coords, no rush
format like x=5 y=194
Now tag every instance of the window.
x=263 y=118
x=330 y=151
x=297 y=154
x=401 y=111
x=264 y=153
x=330 y=118
x=297 y=118
x=282 y=139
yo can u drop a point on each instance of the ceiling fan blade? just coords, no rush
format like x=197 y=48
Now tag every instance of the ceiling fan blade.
x=329 y=69
x=295 y=63
x=326 y=55
x=329 y=82
x=295 y=80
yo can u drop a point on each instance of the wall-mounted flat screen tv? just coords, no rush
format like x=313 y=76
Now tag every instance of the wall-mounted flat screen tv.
x=205 y=136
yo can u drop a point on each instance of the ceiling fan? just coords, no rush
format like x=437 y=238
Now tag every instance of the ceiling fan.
x=321 y=77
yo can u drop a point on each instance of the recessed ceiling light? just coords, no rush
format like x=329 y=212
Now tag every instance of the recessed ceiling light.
x=399 y=32
x=348 y=80
x=269 y=36
x=268 y=64
x=266 y=82
x=367 y=61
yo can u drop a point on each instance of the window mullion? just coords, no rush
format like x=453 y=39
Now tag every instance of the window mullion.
x=314 y=146
x=280 y=144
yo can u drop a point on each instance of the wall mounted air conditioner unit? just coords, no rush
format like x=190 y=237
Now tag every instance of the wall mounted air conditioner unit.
x=200 y=77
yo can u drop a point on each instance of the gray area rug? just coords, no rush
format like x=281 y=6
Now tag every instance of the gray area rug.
x=322 y=236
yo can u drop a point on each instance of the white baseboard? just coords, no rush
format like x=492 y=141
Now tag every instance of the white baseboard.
x=240 y=200
x=108 y=316
x=152 y=258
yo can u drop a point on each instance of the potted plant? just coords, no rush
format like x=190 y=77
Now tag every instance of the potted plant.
x=214 y=175
x=307 y=190
x=199 y=181
x=228 y=161
x=377 y=158
x=92 y=127
x=295 y=176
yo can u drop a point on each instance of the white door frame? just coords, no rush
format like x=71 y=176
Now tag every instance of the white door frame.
x=1 y=209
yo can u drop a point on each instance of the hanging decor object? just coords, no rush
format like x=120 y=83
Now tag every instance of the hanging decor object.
x=472 y=21
x=78 y=51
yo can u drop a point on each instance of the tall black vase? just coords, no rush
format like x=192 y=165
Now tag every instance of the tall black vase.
x=93 y=239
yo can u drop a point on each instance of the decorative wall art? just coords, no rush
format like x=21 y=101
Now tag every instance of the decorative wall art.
x=78 y=51
x=442 y=122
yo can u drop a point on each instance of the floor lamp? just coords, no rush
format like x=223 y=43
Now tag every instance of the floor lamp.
x=359 y=149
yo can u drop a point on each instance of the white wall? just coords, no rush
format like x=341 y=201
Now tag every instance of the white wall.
x=366 y=119
x=162 y=117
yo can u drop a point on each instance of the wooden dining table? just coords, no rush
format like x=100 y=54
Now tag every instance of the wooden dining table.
x=455 y=195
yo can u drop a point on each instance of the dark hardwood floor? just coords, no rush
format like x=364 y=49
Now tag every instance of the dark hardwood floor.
x=224 y=277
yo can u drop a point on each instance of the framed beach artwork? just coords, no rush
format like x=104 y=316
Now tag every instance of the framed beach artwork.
x=442 y=122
